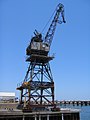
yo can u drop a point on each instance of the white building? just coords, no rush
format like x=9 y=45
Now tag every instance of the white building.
x=7 y=96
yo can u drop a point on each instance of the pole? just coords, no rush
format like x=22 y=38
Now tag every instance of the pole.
x=23 y=117
x=62 y=117
x=47 y=117
x=35 y=117
x=39 y=117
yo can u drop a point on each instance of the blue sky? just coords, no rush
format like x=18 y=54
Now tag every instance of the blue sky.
x=71 y=66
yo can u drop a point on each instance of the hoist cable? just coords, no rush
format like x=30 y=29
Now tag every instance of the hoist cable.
x=48 y=21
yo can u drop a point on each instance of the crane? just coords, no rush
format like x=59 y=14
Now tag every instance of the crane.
x=41 y=46
x=37 y=89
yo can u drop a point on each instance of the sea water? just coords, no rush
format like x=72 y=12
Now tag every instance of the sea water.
x=84 y=111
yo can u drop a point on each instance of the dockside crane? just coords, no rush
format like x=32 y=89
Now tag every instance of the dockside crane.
x=37 y=89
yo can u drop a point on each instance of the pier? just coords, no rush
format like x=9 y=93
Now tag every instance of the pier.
x=9 y=111
x=81 y=103
x=63 y=114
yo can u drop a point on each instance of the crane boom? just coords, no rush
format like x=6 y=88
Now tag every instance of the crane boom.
x=51 y=30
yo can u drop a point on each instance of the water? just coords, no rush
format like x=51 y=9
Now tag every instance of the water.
x=84 y=111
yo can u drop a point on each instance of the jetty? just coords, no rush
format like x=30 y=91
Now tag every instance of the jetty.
x=71 y=102
x=63 y=114
x=9 y=111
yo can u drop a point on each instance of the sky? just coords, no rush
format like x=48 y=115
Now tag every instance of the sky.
x=71 y=65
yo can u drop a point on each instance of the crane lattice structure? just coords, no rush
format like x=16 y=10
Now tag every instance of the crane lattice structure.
x=37 y=89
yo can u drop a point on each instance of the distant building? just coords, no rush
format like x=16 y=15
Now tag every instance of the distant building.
x=7 y=96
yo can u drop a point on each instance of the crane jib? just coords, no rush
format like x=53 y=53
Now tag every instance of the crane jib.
x=51 y=30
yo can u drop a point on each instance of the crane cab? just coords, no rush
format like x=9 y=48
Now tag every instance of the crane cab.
x=37 y=46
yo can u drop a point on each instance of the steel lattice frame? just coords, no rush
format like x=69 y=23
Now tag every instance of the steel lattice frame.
x=37 y=89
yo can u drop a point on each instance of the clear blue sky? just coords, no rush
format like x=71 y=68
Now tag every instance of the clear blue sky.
x=71 y=44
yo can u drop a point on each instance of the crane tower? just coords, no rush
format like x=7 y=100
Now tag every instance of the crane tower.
x=37 y=89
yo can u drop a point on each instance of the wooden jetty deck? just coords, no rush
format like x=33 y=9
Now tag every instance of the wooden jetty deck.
x=9 y=111
x=63 y=114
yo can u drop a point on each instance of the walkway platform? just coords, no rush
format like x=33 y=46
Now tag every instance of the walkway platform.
x=63 y=114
